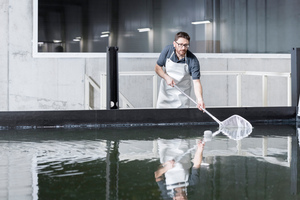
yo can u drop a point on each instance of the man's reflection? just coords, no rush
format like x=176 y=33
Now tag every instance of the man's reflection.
x=174 y=177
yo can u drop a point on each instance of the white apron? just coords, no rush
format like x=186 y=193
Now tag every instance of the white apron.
x=170 y=149
x=170 y=97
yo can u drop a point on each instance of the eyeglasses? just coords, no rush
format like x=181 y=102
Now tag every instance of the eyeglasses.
x=183 y=45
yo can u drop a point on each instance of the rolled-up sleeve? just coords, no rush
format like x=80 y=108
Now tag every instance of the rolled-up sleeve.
x=195 y=69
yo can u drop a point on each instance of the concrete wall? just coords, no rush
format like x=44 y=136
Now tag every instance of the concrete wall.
x=49 y=82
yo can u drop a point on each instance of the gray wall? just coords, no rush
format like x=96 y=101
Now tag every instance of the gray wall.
x=53 y=82
x=259 y=26
x=237 y=26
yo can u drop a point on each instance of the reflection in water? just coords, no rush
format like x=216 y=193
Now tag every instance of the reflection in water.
x=121 y=164
x=174 y=175
x=233 y=133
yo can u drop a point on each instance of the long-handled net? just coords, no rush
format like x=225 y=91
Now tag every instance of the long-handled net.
x=235 y=121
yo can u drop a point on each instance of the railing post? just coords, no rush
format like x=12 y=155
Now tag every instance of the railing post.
x=103 y=92
x=264 y=146
x=289 y=91
x=239 y=90
x=154 y=90
x=86 y=93
x=265 y=90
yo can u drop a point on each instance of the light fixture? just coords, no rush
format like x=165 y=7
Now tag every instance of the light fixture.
x=57 y=41
x=201 y=22
x=77 y=39
x=105 y=34
x=143 y=29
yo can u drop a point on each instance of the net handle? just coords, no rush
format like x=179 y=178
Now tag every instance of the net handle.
x=213 y=117
x=195 y=146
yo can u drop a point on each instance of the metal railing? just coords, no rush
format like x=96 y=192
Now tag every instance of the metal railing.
x=89 y=82
x=126 y=104
x=264 y=76
x=123 y=99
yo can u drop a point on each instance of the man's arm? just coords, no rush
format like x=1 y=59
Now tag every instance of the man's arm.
x=199 y=93
x=163 y=169
x=198 y=155
x=160 y=72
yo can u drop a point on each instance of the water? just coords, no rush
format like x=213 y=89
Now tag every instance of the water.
x=120 y=163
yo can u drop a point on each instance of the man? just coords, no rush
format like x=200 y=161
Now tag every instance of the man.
x=174 y=177
x=180 y=65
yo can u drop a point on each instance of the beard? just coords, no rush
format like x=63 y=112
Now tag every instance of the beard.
x=181 y=52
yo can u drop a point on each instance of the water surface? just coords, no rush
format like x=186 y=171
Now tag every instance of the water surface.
x=119 y=163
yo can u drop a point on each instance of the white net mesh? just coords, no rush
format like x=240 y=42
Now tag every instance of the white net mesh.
x=237 y=133
x=236 y=121
x=236 y=127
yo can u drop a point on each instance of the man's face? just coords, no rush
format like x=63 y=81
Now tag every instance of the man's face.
x=180 y=194
x=181 y=46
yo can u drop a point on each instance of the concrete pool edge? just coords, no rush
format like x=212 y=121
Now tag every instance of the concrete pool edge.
x=140 y=117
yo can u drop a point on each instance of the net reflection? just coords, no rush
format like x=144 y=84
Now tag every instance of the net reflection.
x=237 y=133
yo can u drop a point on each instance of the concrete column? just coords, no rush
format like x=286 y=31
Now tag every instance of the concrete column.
x=4 y=72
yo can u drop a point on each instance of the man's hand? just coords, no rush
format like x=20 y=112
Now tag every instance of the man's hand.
x=200 y=104
x=198 y=94
x=169 y=164
x=200 y=146
x=169 y=81
x=160 y=72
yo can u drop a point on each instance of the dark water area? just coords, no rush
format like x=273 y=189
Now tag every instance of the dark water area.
x=120 y=163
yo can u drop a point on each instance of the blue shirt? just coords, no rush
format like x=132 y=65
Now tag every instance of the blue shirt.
x=192 y=61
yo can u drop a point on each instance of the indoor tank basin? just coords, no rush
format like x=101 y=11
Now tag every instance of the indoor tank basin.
x=120 y=163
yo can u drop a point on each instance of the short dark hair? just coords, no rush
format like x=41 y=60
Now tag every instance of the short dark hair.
x=182 y=35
